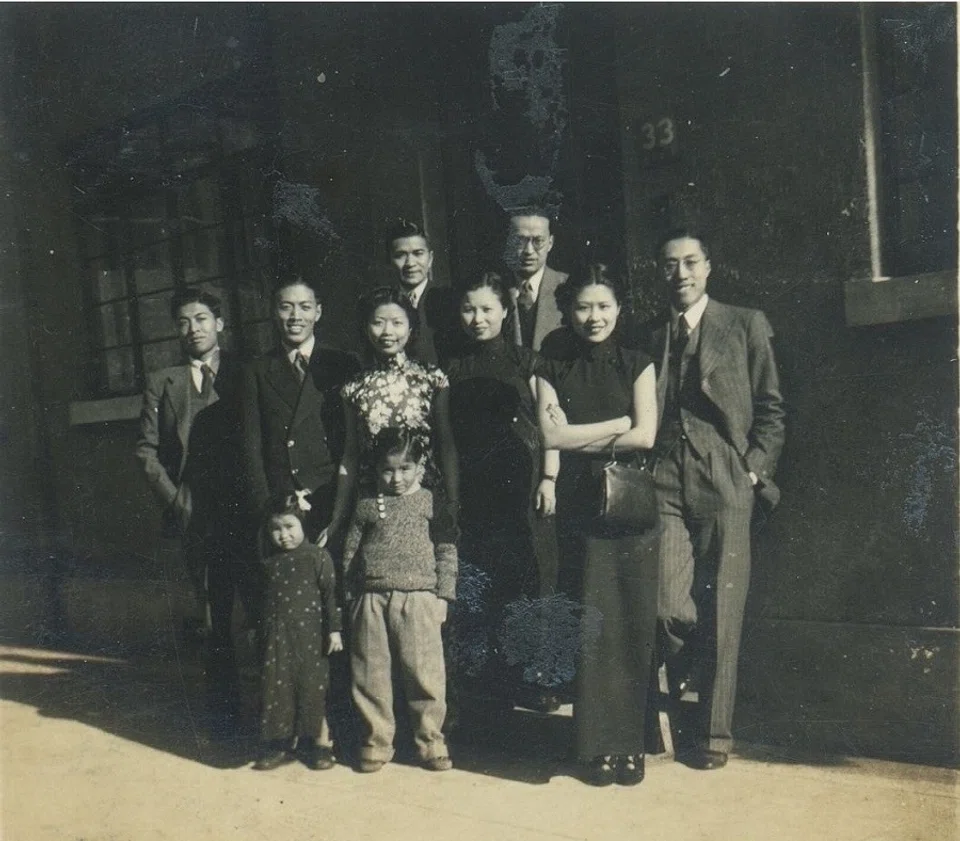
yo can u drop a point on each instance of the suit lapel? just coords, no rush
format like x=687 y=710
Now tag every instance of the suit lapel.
x=545 y=320
x=178 y=394
x=310 y=397
x=281 y=377
x=714 y=327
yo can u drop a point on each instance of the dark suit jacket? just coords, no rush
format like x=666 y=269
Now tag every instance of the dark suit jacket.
x=738 y=375
x=293 y=438
x=548 y=314
x=194 y=463
x=437 y=332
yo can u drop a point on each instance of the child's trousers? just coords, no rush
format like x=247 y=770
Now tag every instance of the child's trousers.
x=405 y=626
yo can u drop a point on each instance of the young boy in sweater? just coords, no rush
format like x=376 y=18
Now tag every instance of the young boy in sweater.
x=400 y=573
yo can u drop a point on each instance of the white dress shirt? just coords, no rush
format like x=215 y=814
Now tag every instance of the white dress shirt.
x=416 y=293
x=305 y=350
x=212 y=359
x=692 y=316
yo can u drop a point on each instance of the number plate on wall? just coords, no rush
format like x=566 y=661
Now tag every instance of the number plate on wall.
x=656 y=141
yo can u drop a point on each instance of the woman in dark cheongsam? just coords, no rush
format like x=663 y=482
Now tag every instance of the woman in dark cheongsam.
x=594 y=396
x=508 y=489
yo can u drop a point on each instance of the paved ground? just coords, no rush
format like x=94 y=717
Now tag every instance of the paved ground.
x=104 y=749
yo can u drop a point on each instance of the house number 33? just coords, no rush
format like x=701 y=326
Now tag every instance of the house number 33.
x=661 y=133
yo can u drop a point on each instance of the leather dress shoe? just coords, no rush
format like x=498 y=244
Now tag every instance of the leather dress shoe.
x=600 y=771
x=271 y=760
x=630 y=769
x=707 y=760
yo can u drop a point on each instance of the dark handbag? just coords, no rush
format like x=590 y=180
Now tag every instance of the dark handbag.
x=628 y=498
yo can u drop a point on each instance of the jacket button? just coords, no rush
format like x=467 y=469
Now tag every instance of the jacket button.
x=290 y=443
x=295 y=471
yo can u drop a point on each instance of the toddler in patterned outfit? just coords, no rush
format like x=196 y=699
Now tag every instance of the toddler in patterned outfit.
x=300 y=607
x=400 y=573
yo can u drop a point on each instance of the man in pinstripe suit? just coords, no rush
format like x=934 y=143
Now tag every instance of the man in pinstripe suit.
x=721 y=433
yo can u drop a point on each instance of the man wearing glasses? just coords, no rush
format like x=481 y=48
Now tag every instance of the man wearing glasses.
x=534 y=292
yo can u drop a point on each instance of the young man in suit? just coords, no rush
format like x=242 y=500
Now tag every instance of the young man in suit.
x=721 y=432
x=188 y=451
x=292 y=417
x=529 y=241
x=293 y=426
x=408 y=249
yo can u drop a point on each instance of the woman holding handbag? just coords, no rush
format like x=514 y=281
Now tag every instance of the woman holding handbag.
x=596 y=404
x=507 y=506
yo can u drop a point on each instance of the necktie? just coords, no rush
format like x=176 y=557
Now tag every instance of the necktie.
x=412 y=298
x=206 y=382
x=300 y=365
x=683 y=333
x=525 y=295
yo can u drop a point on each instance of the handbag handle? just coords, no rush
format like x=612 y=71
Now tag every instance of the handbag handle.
x=613 y=449
x=640 y=464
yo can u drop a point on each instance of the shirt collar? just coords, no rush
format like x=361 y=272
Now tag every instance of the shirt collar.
x=305 y=350
x=212 y=359
x=534 y=281
x=416 y=293
x=692 y=316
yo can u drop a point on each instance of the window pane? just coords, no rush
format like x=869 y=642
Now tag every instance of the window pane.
x=118 y=371
x=155 y=320
x=152 y=270
x=108 y=282
x=161 y=355
x=199 y=203
x=113 y=321
x=148 y=220
x=202 y=254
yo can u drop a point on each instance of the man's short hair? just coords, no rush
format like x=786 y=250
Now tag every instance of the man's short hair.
x=287 y=280
x=402 y=229
x=683 y=233
x=193 y=295
x=534 y=210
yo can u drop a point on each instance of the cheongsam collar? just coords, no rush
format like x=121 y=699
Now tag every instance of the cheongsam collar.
x=490 y=348
x=598 y=351
x=396 y=362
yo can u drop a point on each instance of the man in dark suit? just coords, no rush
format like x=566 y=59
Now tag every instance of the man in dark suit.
x=188 y=451
x=292 y=417
x=534 y=291
x=719 y=439
x=293 y=427
x=408 y=248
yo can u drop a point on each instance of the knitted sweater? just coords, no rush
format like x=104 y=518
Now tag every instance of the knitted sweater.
x=390 y=546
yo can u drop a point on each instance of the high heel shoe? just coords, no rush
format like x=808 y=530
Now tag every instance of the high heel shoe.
x=600 y=771
x=630 y=769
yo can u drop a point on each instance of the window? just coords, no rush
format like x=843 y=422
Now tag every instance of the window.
x=910 y=135
x=172 y=198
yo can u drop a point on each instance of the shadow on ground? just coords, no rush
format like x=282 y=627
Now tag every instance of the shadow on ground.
x=157 y=699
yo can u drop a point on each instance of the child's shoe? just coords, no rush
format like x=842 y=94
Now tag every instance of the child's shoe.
x=438 y=763
x=318 y=757
x=370 y=766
